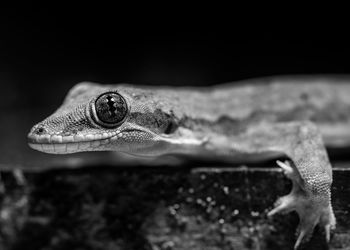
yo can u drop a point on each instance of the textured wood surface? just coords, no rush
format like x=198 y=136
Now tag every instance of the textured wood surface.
x=157 y=208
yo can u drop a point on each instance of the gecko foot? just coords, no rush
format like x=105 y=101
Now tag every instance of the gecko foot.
x=312 y=210
x=311 y=215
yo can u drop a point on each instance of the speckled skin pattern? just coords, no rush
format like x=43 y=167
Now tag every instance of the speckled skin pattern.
x=249 y=120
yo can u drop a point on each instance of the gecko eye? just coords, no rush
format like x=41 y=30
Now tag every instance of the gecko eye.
x=111 y=109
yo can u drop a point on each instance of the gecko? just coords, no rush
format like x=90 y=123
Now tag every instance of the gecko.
x=249 y=120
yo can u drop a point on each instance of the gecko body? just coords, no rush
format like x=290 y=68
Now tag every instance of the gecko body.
x=249 y=120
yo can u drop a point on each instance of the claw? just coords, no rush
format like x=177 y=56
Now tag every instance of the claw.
x=327 y=230
x=306 y=228
x=299 y=241
x=328 y=222
x=285 y=166
x=288 y=170
x=284 y=204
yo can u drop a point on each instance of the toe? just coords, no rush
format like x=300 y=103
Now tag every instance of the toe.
x=306 y=228
x=327 y=230
x=287 y=169
x=284 y=204
x=328 y=222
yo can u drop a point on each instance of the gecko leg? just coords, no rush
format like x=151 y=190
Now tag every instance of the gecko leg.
x=310 y=172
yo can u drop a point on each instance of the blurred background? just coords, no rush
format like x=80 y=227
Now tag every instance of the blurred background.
x=43 y=53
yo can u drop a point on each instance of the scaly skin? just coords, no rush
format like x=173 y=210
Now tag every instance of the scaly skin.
x=258 y=119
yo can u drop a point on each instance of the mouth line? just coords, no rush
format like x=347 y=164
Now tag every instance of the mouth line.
x=57 y=144
x=68 y=143
x=59 y=139
x=69 y=147
x=62 y=145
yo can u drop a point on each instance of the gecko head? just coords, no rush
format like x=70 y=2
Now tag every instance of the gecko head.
x=105 y=118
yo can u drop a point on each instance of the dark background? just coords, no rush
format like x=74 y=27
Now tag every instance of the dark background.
x=44 y=52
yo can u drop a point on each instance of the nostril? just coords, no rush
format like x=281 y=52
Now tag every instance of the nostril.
x=39 y=130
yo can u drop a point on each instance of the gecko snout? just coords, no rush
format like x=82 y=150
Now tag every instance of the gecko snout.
x=39 y=130
x=35 y=132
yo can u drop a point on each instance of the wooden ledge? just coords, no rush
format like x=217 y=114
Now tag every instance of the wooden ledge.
x=158 y=208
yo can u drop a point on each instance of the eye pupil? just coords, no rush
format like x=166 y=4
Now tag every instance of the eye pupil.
x=111 y=104
x=111 y=108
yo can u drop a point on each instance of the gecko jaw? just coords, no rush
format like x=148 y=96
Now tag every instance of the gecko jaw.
x=59 y=139
x=107 y=141
x=58 y=144
x=70 y=147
